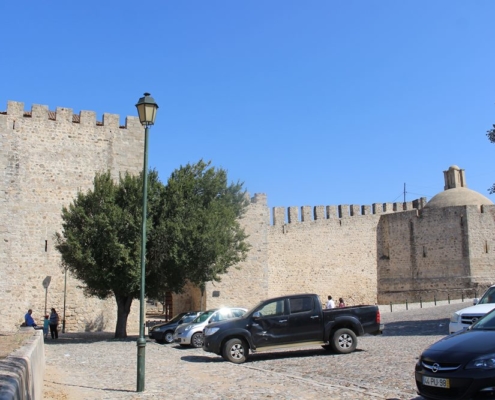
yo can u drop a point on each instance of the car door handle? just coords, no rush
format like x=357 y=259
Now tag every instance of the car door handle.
x=282 y=320
x=314 y=316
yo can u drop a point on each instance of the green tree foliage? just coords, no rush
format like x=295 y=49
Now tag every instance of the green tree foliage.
x=101 y=240
x=193 y=234
x=199 y=236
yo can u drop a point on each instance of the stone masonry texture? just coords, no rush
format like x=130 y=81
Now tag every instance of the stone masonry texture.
x=46 y=158
x=389 y=253
x=367 y=254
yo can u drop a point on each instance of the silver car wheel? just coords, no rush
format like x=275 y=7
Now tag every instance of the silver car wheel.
x=169 y=337
x=197 y=340
x=237 y=351
x=345 y=341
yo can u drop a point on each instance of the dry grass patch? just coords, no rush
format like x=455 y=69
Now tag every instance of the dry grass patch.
x=10 y=342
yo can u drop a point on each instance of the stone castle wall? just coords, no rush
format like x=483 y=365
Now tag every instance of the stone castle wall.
x=366 y=254
x=390 y=252
x=446 y=252
x=323 y=249
x=46 y=158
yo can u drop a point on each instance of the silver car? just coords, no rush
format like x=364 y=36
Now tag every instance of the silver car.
x=192 y=334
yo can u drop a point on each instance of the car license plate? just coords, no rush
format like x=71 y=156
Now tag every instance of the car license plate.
x=436 y=382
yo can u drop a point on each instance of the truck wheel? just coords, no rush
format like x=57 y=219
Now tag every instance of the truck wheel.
x=197 y=340
x=344 y=341
x=236 y=351
x=169 y=337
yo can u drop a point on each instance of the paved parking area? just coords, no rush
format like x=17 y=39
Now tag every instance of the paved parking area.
x=94 y=366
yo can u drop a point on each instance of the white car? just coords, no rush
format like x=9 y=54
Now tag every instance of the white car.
x=192 y=334
x=464 y=318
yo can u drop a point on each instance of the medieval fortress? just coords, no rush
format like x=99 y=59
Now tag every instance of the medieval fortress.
x=366 y=254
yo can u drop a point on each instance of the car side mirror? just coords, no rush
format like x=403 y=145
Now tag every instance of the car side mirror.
x=256 y=315
x=476 y=301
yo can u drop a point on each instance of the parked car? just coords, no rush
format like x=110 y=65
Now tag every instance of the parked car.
x=164 y=333
x=290 y=320
x=460 y=366
x=463 y=318
x=192 y=334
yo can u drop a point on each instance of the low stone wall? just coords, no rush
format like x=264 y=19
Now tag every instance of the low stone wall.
x=21 y=373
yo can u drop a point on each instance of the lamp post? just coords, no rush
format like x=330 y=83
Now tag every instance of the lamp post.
x=146 y=107
x=65 y=295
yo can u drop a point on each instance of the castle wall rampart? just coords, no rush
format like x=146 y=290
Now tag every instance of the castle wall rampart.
x=294 y=214
x=46 y=158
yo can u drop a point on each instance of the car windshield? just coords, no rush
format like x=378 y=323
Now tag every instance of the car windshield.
x=203 y=317
x=485 y=323
x=188 y=319
x=488 y=297
x=177 y=317
x=255 y=307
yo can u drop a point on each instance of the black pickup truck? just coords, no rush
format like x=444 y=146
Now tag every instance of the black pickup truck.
x=296 y=320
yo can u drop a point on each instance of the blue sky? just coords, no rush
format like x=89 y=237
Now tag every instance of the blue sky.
x=311 y=102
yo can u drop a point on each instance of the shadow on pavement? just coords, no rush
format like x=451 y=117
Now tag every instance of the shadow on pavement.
x=88 y=337
x=432 y=327
x=272 y=355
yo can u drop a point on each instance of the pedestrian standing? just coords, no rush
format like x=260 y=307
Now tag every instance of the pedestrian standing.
x=54 y=324
x=330 y=302
x=46 y=325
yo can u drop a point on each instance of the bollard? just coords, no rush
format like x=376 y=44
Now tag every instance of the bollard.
x=448 y=297
x=407 y=308
x=462 y=296
x=390 y=306
x=435 y=299
x=420 y=302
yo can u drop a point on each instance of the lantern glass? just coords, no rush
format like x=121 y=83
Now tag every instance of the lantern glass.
x=147 y=107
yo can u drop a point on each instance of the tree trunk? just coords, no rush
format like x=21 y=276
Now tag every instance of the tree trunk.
x=123 y=310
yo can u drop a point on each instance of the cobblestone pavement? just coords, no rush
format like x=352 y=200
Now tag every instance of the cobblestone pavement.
x=95 y=366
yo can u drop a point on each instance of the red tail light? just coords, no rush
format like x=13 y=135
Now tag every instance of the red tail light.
x=378 y=320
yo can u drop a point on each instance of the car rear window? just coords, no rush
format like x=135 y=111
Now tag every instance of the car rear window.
x=301 y=304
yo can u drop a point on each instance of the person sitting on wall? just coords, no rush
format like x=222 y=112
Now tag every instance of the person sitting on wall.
x=29 y=320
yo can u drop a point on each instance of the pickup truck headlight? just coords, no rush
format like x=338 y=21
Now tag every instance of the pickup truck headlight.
x=454 y=317
x=486 y=361
x=210 y=331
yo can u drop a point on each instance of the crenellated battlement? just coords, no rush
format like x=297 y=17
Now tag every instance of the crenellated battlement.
x=15 y=111
x=283 y=215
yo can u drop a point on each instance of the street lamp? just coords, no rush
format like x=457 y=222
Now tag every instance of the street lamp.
x=146 y=107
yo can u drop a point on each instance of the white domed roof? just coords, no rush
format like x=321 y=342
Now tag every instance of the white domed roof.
x=460 y=196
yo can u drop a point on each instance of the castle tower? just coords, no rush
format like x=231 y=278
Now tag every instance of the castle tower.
x=46 y=157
